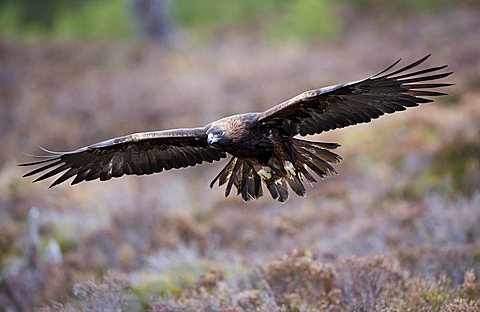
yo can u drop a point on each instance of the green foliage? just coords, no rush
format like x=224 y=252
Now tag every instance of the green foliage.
x=172 y=280
x=453 y=170
x=307 y=20
x=89 y=19
x=8 y=233
x=95 y=20
x=205 y=15
x=66 y=19
x=403 y=6
x=458 y=161
x=29 y=18
x=159 y=286
x=436 y=295
x=9 y=18
x=301 y=19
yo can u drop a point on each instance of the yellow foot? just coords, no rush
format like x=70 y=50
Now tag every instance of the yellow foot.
x=289 y=168
x=265 y=173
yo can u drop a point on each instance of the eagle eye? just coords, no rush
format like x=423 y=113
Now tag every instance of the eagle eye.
x=220 y=133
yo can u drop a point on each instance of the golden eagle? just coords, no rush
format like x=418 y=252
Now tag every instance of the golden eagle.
x=263 y=146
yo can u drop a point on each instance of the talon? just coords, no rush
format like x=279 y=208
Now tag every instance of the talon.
x=289 y=168
x=265 y=173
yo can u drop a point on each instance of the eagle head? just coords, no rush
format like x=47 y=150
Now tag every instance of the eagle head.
x=225 y=131
x=214 y=137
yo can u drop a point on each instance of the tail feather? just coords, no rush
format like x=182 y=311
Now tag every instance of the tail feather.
x=324 y=154
x=305 y=156
x=278 y=189
x=296 y=185
x=320 y=149
x=316 y=144
x=250 y=186
x=246 y=183
x=304 y=172
x=223 y=175
x=272 y=188
x=321 y=164
x=283 y=190
x=240 y=173
x=233 y=180
x=257 y=186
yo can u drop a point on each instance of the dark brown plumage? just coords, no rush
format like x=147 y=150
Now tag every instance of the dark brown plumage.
x=263 y=145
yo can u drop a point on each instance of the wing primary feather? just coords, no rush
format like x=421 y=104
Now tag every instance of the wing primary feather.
x=52 y=172
x=422 y=100
x=387 y=69
x=43 y=168
x=425 y=78
x=420 y=72
x=426 y=93
x=427 y=85
x=70 y=173
x=405 y=68
x=93 y=174
x=80 y=177
x=38 y=162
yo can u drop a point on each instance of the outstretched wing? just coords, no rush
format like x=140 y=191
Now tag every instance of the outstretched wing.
x=343 y=105
x=139 y=153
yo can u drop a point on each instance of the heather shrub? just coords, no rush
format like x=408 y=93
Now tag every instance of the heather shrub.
x=108 y=294
x=298 y=281
x=369 y=284
x=461 y=305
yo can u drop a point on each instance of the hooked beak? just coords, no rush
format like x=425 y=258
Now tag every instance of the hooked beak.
x=212 y=138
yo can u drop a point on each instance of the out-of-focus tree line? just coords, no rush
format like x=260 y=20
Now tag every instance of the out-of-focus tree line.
x=123 y=19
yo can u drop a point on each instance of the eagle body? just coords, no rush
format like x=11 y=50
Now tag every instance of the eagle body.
x=241 y=136
x=265 y=153
x=264 y=146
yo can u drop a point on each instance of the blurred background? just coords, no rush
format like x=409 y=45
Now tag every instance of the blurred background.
x=398 y=228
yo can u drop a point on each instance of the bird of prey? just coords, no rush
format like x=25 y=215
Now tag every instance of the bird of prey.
x=263 y=146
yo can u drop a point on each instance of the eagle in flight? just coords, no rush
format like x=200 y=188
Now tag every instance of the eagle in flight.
x=264 y=147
